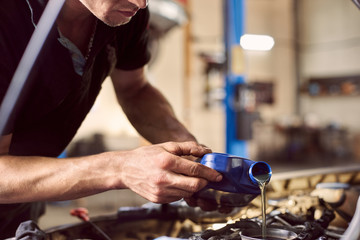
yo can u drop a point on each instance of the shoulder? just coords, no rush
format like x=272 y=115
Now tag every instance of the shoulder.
x=16 y=12
x=15 y=25
x=11 y=8
x=14 y=15
x=16 y=29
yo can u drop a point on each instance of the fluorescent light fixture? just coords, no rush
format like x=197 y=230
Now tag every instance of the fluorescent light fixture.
x=256 y=42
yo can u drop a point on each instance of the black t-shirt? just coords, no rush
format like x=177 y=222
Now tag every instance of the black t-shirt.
x=55 y=99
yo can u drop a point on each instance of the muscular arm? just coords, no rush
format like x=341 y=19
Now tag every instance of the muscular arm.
x=156 y=172
x=147 y=109
x=31 y=178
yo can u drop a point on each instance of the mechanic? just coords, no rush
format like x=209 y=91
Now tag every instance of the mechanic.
x=92 y=39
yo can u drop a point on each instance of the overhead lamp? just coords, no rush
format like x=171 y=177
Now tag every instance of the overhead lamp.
x=257 y=42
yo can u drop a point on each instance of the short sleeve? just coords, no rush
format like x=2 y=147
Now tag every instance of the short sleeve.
x=132 y=42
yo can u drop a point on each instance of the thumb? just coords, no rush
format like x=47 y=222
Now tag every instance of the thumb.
x=186 y=148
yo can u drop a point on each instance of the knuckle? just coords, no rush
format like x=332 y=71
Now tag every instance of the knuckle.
x=155 y=199
x=164 y=162
x=158 y=195
x=171 y=144
x=160 y=179
x=194 y=169
x=159 y=201
x=174 y=147
x=157 y=192
x=197 y=185
x=194 y=146
x=193 y=143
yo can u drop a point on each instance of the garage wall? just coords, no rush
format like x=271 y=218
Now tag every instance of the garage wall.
x=274 y=18
x=330 y=46
x=208 y=124
x=329 y=40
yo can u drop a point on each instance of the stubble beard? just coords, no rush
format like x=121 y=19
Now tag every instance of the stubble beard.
x=112 y=20
x=115 y=24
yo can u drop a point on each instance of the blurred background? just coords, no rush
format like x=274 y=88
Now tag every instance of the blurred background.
x=293 y=103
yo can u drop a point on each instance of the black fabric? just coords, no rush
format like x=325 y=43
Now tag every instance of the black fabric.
x=55 y=99
x=29 y=230
x=12 y=215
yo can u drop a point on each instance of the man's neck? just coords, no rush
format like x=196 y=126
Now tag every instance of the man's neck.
x=74 y=11
x=76 y=23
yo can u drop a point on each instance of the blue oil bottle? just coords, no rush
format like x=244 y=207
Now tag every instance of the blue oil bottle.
x=240 y=183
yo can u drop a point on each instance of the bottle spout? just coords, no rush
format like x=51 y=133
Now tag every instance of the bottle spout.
x=260 y=172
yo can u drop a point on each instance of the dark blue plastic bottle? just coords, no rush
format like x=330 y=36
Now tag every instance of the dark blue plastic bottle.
x=239 y=185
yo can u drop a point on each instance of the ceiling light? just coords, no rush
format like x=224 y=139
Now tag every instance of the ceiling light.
x=256 y=42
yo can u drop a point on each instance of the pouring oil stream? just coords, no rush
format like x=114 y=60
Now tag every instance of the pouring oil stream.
x=260 y=173
x=262 y=181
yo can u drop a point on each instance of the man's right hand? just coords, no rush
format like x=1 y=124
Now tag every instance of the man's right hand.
x=160 y=174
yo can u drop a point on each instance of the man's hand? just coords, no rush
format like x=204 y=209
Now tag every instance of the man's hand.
x=160 y=174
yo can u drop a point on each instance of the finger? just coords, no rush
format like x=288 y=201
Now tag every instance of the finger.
x=171 y=194
x=172 y=186
x=186 y=148
x=190 y=158
x=164 y=199
x=194 y=169
x=162 y=194
x=186 y=183
x=203 y=145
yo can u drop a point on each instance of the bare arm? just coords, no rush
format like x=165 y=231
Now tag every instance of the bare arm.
x=147 y=109
x=156 y=172
x=31 y=178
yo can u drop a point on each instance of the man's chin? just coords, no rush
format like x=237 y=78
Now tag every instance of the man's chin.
x=116 y=23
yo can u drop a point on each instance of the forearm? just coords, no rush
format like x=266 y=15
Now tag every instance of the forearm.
x=152 y=116
x=26 y=179
x=156 y=172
